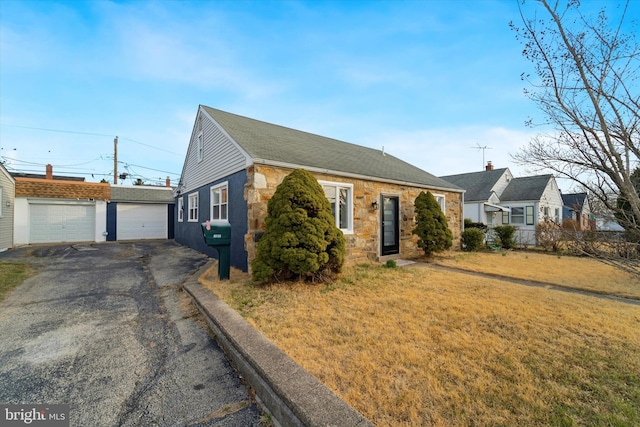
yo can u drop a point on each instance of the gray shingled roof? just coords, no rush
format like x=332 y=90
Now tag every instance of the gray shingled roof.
x=574 y=200
x=526 y=188
x=266 y=142
x=477 y=184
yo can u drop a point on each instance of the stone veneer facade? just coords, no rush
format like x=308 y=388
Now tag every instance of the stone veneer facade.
x=364 y=244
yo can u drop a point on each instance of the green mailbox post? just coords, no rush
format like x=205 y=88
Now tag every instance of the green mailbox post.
x=218 y=235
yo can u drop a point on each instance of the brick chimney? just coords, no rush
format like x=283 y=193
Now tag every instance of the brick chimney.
x=489 y=166
x=168 y=182
x=49 y=174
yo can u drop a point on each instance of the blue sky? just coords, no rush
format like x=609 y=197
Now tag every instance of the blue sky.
x=428 y=80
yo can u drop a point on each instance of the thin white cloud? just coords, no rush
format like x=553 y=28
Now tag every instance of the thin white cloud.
x=449 y=151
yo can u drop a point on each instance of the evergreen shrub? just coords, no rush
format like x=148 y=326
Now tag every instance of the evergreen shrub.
x=432 y=227
x=472 y=239
x=301 y=240
x=505 y=235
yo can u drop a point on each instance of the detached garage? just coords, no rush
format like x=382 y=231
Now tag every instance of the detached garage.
x=142 y=221
x=59 y=209
x=140 y=212
x=61 y=222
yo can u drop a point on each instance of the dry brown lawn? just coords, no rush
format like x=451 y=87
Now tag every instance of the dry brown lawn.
x=418 y=346
x=569 y=271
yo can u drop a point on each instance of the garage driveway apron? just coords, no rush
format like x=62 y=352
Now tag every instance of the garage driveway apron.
x=103 y=328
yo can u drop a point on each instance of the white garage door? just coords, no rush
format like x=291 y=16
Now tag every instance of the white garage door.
x=141 y=221
x=52 y=223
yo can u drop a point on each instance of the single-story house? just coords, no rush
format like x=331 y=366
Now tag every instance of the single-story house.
x=234 y=164
x=53 y=209
x=7 y=203
x=576 y=207
x=495 y=197
x=138 y=212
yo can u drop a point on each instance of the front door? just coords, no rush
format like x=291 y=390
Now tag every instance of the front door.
x=390 y=226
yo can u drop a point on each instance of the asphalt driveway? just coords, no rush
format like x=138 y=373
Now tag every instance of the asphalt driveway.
x=106 y=329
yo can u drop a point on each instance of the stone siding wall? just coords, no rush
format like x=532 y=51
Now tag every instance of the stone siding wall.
x=364 y=244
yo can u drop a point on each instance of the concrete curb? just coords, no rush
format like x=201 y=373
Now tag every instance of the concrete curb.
x=283 y=388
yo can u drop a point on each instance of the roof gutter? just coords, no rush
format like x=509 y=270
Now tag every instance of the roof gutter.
x=353 y=175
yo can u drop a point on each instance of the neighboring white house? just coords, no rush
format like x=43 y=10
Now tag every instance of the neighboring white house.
x=7 y=203
x=494 y=197
x=482 y=193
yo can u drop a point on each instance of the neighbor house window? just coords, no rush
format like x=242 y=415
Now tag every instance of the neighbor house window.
x=340 y=197
x=0 y=202
x=505 y=217
x=180 y=209
x=529 y=214
x=193 y=207
x=546 y=213
x=200 y=146
x=220 y=202
x=517 y=215
x=557 y=215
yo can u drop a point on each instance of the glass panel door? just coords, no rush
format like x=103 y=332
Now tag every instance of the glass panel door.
x=390 y=226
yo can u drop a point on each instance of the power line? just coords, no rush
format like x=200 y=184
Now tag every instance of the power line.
x=56 y=130
x=91 y=134
x=143 y=167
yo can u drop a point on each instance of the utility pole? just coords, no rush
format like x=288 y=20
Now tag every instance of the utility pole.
x=115 y=160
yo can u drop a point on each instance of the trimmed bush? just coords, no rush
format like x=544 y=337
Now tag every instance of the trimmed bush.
x=432 y=227
x=301 y=240
x=472 y=239
x=505 y=234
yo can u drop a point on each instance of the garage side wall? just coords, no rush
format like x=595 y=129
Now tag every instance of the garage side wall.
x=21 y=222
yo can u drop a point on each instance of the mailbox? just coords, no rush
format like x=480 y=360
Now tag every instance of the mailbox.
x=217 y=234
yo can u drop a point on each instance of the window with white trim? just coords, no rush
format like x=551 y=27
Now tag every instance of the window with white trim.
x=200 y=146
x=220 y=202
x=340 y=197
x=441 y=201
x=180 y=209
x=193 y=207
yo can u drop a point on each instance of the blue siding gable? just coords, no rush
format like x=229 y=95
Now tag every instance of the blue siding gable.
x=190 y=234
